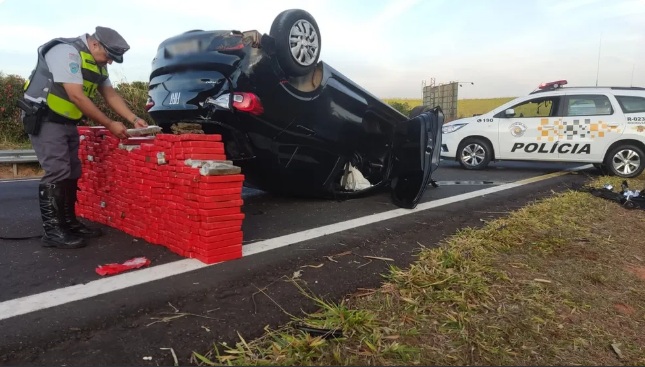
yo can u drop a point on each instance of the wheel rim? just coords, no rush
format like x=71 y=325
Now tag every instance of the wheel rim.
x=473 y=155
x=304 y=42
x=626 y=162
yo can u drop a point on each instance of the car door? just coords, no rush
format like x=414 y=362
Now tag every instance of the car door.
x=416 y=154
x=527 y=130
x=591 y=123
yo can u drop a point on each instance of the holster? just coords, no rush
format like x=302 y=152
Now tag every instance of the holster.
x=34 y=115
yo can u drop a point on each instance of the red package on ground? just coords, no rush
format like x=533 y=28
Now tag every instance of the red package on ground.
x=111 y=269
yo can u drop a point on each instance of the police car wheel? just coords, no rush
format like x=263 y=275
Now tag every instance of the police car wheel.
x=474 y=154
x=625 y=161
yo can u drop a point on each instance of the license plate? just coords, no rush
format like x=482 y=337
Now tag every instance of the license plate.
x=183 y=47
x=175 y=97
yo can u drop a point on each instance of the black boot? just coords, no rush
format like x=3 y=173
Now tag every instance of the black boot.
x=69 y=213
x=51 y=209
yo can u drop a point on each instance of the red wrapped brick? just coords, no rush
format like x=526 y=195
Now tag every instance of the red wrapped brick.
x=126 y=181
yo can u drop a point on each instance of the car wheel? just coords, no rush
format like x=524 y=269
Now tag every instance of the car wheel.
x=297 y=40
x=474 y=154
x=625 y=161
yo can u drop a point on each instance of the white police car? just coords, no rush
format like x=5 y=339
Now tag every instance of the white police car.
x=600 y=125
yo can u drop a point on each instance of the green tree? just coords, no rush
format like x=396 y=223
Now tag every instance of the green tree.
x=402 y=107
x=135 y=94
x=11 y=129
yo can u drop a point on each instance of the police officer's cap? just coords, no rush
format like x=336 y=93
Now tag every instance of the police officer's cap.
x=114 y=44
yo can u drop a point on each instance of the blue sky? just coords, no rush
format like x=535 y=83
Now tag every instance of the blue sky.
x=389 y=47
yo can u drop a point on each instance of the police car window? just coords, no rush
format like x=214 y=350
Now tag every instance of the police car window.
x=631 y=104
x=539 y=107
x=588 y=105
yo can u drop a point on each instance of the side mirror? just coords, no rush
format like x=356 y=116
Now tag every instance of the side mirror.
x=509 y=113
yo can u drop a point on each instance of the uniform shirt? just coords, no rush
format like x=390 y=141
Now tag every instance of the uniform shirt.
x=64 y=63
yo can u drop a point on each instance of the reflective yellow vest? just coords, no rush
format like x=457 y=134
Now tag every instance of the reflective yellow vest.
x=40 y=86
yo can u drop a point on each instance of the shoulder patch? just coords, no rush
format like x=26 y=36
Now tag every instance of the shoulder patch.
x=73 y=67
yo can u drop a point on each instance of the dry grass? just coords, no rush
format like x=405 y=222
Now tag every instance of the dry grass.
x=559 y=282
x=24 y=170
x=465 y=107
x=471 y=107
x=8 y=143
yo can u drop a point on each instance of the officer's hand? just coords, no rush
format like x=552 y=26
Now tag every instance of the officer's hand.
x=140 y=123
x=118 y=129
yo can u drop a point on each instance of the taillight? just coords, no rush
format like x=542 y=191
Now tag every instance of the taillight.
x=149 y=104
x=248 y=102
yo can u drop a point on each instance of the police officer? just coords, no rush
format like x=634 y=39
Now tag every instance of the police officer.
x=59 y=91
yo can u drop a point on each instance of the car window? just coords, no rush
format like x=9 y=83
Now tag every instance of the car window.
x=588 y=105
x=537 y=107
x=631 y=104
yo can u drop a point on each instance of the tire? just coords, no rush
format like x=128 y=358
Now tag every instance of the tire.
x=474 y=154
x=626 y=161
x=298 y=29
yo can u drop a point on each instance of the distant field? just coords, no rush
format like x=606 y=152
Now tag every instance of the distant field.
x=465 y=107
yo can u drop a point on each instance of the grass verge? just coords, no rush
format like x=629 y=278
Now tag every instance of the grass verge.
x=8 y=142
x=559 y=282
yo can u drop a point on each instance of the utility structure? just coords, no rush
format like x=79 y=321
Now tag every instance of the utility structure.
x=444 y=95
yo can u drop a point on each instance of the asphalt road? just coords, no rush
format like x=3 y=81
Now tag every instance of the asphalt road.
x=119 y=320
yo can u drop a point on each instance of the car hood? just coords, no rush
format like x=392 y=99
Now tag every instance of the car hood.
x=466 y=120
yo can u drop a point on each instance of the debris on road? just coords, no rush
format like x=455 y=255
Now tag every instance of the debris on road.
x=174 y=356
x=176 y=315
x=331 y=258
x=114 y=268
x=630 y=199
x=378 y=258
x=313 y=266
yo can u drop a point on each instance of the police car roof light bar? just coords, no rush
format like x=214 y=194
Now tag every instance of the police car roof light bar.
x=552 y=85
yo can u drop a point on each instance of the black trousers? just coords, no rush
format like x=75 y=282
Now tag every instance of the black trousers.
x=56 y=147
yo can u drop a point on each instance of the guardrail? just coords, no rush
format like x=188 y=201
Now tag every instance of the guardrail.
x=14 y=157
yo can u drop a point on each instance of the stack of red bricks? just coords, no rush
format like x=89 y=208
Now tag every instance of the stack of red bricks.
x=144 y=187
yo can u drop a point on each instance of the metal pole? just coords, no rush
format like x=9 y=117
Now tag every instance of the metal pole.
x=598 y=66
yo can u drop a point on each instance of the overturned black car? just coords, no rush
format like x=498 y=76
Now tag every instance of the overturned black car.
x=292 y=123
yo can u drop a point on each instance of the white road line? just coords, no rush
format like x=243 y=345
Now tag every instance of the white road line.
x=277 y=242
x=57 y=297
